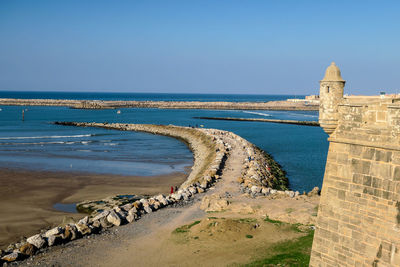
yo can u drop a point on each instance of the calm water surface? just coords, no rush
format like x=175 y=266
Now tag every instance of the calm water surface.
x=38 y=144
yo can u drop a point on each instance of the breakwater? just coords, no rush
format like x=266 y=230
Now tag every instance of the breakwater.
x=260 y=176
x=100 y=104
x=305 y=123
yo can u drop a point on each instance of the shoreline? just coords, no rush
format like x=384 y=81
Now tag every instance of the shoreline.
x=260 y=177
x=27 y=203
x=113 y=104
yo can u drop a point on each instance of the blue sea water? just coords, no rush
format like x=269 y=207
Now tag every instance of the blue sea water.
x=37 y=144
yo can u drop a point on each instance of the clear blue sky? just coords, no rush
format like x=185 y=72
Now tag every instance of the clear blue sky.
x=188 y=46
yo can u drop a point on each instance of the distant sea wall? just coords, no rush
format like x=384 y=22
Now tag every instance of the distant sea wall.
x=94 y=104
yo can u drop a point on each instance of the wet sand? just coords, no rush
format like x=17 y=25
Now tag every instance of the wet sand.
x=27 y=197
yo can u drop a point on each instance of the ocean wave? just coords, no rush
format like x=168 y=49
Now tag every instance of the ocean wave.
x=45 y=137
x=43 y=143
x=258 y=113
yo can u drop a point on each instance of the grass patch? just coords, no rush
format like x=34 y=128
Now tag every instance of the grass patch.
x=249 y=236
x=288 y=253
x=267 y=219
x=185 y=228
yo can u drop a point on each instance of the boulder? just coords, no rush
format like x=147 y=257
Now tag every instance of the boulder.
x=54 y=231
x=70 y=233
x=314 y=192
x=255 y=189
x=28 y=249
x=37 y=240
x=147 y=209
x=213 y=203
x=127 y=207
x=176 y=196
x=132 y=215
x=105 y=223
x=114 y=218
x=101 y=215
x=54 y=240
x=193 y=190
x=84 y=229
x=96 y=224
x=84 y=220
x=14 y=256
x=265 y=190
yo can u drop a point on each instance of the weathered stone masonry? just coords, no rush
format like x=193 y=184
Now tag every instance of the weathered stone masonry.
x=358 y=220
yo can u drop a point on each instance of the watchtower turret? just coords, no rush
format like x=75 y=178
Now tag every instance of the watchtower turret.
x=330 y=94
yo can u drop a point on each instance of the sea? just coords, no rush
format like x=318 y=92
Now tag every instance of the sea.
x=35 y=143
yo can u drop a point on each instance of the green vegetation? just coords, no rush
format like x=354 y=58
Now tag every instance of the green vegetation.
x=249 y=236
x=267 y=219
x=288 y=253
x=185 y=228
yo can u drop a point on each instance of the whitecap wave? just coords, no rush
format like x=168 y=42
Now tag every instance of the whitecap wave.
x=45 y=137
x=258 y=113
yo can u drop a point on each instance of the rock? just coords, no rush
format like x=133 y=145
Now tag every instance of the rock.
x=127 y=207
x=54 y=231
x=84 y=229
x=101 y=215
x=14 y=256
x=204 y=184
x=70 y=233
x=54 y=240
x=84 y=220
x=273 y=191
x=37 y=241
x=193 y=190
x=200 y=190
x=176 y=196
x=96 y=224
x=28 y=249
x=147 y=209
x=162 y=200
x=213 y=203
x=114 y=218
x=297 y=193
x=105 y=223
x=255 y=189
x=132 y=215
x=265 y=191
x=314 y=192
x=240 y=180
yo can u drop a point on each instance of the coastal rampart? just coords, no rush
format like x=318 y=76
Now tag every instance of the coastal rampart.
x=100 y=104
x=260 y=176
x=358 y=220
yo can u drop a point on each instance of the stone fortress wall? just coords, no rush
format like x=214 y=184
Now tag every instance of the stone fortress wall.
x=358 y=220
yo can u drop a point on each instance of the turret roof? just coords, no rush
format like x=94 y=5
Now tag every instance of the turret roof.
x=332 y=74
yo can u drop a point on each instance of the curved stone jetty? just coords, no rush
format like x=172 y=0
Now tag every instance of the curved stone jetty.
x=260 y=176
x=101 y=104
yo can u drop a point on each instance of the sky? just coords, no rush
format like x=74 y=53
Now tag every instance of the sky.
x=198 y=46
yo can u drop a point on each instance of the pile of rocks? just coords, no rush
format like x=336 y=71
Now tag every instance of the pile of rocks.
x=104 y=217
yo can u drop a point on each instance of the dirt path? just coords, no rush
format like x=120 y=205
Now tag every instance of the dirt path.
x=215 y=239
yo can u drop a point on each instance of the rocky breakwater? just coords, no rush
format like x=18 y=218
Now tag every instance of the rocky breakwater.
x=210 y=149
x=103 y=104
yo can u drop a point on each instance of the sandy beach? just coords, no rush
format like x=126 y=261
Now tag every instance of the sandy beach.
x=27 y=197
